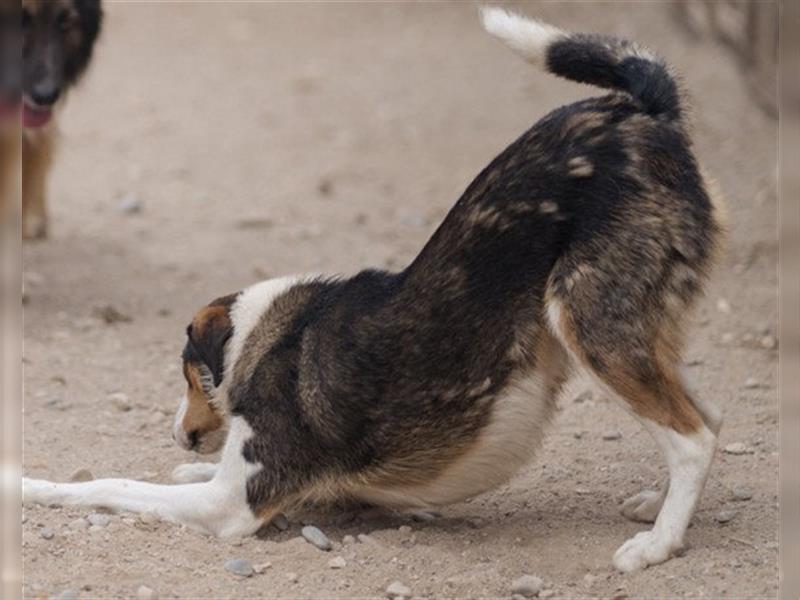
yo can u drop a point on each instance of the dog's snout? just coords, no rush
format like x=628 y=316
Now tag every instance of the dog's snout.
x=45 y=93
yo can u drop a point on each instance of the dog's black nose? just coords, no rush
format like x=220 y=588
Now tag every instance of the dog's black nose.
x=45 y=93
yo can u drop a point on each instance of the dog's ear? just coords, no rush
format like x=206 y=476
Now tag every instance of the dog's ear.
x=208 y=333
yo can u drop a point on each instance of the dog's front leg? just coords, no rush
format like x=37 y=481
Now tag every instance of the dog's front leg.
x=210 y=507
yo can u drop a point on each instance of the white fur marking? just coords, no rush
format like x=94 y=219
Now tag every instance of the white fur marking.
x=528 y=37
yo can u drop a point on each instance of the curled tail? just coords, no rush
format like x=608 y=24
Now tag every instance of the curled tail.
x=599 y=60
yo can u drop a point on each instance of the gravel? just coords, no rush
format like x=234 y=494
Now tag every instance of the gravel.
x=240 y=566
x=397 y=590
x=98 y=519
x=315 y=537
x=46 y=533
x=348 y=540
x=611 y=436
x=741 y=494
x=148 y=518
x=120 y=401
x=79 y=524
x=68 y=595
x=337 y=562
x=751 y=383
x=527 y=586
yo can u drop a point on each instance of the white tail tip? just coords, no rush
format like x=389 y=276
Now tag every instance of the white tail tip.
x=528 y=37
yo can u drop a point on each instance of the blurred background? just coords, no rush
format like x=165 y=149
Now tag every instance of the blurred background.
x=216 y=144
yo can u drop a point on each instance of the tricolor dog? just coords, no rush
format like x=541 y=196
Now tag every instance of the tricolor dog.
x=580 y=247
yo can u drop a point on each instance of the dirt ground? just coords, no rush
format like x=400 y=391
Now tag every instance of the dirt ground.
x=265 y=139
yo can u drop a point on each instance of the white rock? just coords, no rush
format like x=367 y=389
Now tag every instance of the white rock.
x=261 y=567
x=292 y=577
x=239 y=566
x=120 y=401
x=81 y=475
x=337 y=562
x=146 y=593
x=98 y=519
x=527 y=586
x=398 y=591
x=315 y=537
x=738 y=448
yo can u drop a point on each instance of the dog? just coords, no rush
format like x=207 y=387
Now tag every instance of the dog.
x=10 y=76
x=58 y=41
x=580 y=247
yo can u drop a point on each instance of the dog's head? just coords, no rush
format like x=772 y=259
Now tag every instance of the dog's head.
x=57 y=41
x=10 y=48
x=201 y=423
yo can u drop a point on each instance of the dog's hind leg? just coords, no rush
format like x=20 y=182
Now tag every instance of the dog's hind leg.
x=218 y=506
x=625 y=335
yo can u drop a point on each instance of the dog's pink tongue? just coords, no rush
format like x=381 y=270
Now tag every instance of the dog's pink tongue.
x=33 y=118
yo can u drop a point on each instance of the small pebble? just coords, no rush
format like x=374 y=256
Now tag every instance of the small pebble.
x=425 y=516
x=348 y=540
x=130 y=204
x=81 y=475
x=68 y=595
x=148 y=518
x=547 y=593
x=610 y=436
x=46 y=533
x=741 y=493
x=292 y=577
x=751 y=383
x=120 y=401
x=260 y=568
x=146 y=593
x=316 y=538
x=337 y=563
x=280 y=522
x=724 y=516
x=239 y=566
x=99 y=520
x=768 y=342
x=79 y=524
x=398 y=591
x=738 y=448
x=527 y=586
x=589 y=579
x=367 y=539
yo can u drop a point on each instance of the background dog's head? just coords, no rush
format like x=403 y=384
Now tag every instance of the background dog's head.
x=10 y=49
x=57 y=41
x=200 y=423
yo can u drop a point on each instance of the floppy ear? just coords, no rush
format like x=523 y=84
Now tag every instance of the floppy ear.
x=208 y=333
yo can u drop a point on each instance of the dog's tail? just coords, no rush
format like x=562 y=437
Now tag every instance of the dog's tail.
x=595 y=59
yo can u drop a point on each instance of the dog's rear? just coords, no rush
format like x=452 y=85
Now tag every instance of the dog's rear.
x=641 y=246
x=58 y=40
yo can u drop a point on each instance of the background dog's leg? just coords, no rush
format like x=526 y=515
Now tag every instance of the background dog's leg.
x=194 y=472
x=36 y=159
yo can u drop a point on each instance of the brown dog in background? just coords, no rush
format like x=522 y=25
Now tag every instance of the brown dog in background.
x=58 y=37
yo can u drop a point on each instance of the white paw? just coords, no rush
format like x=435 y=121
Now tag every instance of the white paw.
x=194 y=472
x=36 y=491
x=644 y=506
x=643 y=549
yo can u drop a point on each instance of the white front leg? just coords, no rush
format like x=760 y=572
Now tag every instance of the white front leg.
x=218 y=506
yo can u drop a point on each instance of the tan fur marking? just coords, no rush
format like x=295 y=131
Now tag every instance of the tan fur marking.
x=580 y=166
x=200 y=414
x=666 y=402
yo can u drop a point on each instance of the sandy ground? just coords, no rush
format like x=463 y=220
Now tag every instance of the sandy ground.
x=270 y=139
